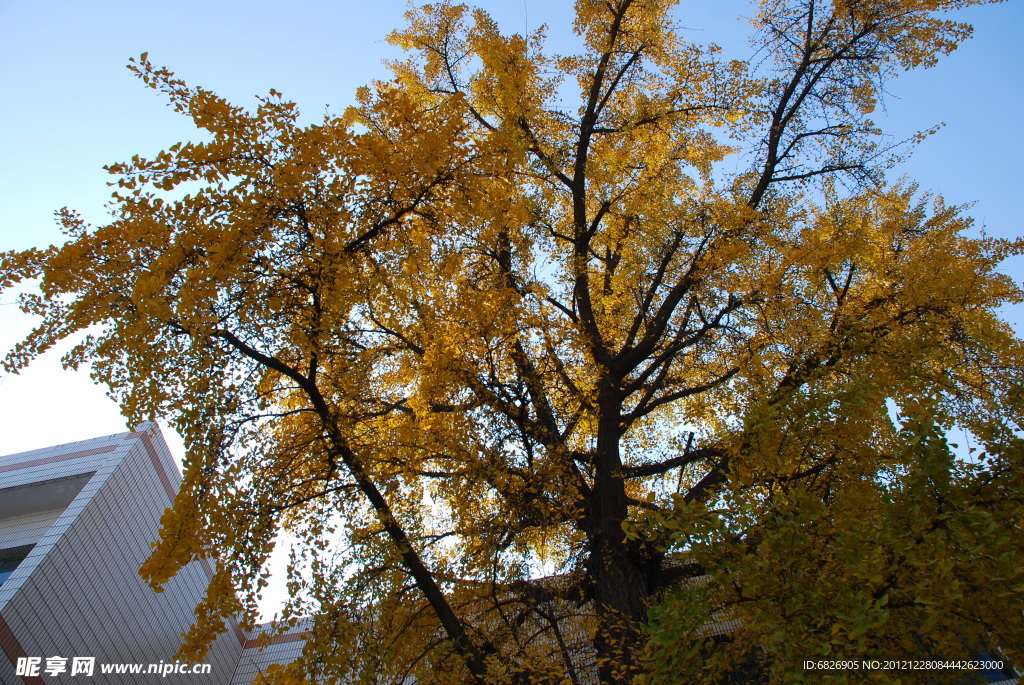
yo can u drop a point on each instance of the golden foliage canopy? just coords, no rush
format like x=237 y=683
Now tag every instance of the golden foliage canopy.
x=506 y=317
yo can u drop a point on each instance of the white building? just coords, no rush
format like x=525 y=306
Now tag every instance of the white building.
x=76 y=522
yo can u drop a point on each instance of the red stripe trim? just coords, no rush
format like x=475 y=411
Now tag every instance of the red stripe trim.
x=59 y=457
x=280 y=639
x=14 y=651
x=158 y=465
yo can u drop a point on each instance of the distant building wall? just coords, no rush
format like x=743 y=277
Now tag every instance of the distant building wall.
x=278 y=649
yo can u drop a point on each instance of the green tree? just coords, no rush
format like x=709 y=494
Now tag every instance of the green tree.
x=923 y=563
x=505 y=312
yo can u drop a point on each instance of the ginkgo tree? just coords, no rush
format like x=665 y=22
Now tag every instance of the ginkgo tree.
x=540 y=391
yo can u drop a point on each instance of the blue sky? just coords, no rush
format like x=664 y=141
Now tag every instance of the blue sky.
x=68 y=106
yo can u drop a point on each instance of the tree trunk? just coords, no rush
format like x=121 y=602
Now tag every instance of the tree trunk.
x=617 y=571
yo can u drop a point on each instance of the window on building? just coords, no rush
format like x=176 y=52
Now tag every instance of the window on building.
x=10 y=558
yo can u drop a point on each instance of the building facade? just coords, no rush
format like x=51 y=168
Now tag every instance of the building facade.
x=76 y=523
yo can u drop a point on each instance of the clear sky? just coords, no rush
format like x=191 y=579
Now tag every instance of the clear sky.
x=68 y=106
